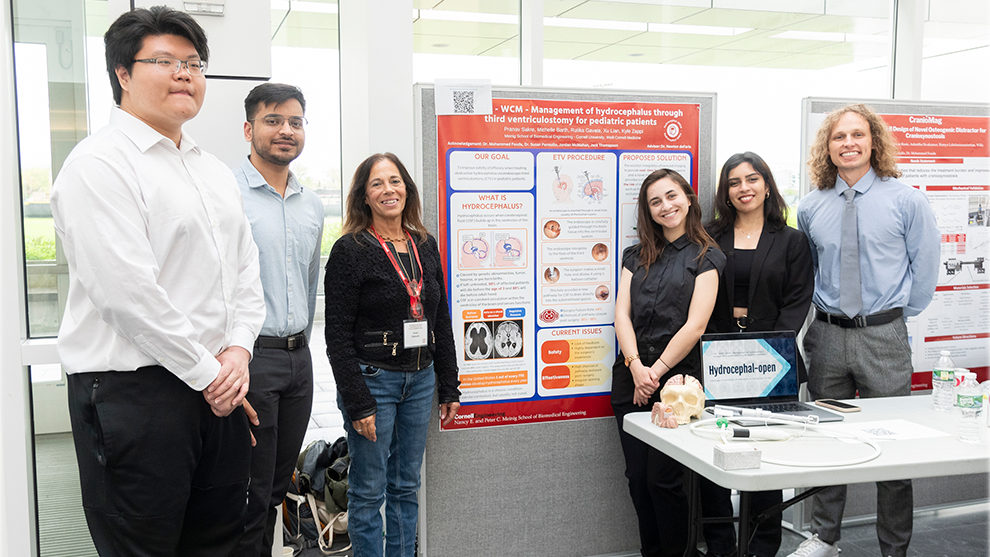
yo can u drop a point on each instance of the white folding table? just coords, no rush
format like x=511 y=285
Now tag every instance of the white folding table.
x=941 y=454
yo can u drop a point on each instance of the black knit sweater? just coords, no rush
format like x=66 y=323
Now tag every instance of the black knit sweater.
x=366 y=304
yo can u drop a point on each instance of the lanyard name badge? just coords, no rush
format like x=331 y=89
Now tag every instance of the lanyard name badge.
x=416 y=328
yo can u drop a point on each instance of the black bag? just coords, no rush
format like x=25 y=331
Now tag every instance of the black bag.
x=315 y=506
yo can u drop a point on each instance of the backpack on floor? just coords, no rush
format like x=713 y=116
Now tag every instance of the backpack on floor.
x=315 y=506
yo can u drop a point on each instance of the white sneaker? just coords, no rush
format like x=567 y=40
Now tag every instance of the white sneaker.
x=815 y=547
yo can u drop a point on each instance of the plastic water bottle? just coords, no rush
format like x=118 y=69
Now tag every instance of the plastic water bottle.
x=943 y=381
x=969 y=399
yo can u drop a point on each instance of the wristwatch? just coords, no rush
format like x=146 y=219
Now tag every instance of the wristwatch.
x=629 y=359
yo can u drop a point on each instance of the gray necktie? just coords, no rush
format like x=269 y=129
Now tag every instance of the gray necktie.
x=850 y=285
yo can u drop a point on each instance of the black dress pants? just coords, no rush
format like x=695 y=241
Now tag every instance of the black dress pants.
x=282 y=395
x=721 y=538
x=161 y=475
x=656 y=484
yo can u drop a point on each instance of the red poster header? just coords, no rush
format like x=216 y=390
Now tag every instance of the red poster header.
x=920 y=135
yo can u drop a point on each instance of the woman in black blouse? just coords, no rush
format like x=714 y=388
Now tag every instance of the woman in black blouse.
x=665 y=297
x=767 y=285
x=390 y=344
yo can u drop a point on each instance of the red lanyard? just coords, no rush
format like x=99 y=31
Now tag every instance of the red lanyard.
x=413 y=288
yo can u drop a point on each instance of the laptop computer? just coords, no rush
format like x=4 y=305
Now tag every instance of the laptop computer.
x=755 y=371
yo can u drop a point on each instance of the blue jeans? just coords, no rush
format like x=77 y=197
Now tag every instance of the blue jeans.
x=387 y=471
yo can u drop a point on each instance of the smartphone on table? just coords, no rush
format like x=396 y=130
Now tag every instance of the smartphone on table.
x=836 y=405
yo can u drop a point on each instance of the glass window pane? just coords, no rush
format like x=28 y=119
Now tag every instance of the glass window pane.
x=760 y=62
x=956 y=44
x=466 y=39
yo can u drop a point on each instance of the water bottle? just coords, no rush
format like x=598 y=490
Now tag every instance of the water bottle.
x=943 y=381
x=969 y=399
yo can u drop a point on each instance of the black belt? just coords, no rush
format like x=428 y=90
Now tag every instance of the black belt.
x=291 y=342
x=860 y=321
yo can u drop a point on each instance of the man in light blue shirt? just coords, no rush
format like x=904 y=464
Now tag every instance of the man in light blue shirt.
x=858 y=340
x=287 y=225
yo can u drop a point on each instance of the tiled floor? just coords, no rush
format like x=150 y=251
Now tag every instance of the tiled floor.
x=325 y=421
x=955 y=532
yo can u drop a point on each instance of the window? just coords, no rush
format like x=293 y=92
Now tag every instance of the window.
x=474 y=40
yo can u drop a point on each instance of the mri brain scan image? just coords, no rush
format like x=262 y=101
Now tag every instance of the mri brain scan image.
x=508 y=339
x=478 y=341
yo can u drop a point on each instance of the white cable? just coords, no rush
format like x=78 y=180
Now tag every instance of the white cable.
x=697 y=430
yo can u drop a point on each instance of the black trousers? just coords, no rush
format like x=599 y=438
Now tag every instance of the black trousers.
x=721 y=538
x=656 y=484
x=161 y=475
x=282 y=394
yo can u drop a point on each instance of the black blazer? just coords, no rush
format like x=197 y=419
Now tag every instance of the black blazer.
x=781 y=285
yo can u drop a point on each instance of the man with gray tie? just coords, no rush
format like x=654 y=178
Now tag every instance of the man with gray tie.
x=875 y=248
x=287 y=224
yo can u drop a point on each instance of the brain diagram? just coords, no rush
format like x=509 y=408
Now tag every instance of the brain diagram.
x=498 y=339
x=508 y=252
x=474 y=252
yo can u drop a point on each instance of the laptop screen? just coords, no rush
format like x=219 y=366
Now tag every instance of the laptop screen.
x=740 y=368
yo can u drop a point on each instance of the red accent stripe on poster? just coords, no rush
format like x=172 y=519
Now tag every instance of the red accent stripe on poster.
x=922 y=380
x=961 y=287
x=970 y=336
x=925 y=160
x=958 y=188
x=531 y=412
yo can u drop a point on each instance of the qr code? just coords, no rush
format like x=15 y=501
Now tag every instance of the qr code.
x=464 y=102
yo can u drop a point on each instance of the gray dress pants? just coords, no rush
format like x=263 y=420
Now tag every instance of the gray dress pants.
x=876 y=361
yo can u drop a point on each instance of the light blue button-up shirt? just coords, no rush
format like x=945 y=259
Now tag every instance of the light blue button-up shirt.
x=288 y=233
x=898 y=244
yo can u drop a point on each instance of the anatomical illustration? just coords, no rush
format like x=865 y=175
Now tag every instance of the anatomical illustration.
x=508 y=251
x=594 y=188
x=474 y=252
x=562 y=186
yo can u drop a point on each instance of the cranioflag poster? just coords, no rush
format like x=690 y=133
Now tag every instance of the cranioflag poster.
x=537 y=202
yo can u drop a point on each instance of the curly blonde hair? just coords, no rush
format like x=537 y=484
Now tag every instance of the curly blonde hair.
x=883 y=159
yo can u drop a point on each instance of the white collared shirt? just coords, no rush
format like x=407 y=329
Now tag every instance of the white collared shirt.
x=162 y=266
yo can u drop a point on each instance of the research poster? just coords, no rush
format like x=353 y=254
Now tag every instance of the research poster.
x=948 y=158
x=537 y=203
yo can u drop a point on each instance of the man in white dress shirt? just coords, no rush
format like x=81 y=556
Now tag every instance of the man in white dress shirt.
x=164 y=306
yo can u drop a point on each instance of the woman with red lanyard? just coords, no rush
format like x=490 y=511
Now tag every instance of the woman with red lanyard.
x=390 y=344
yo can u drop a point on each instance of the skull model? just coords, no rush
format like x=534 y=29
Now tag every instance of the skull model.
x=685 y=396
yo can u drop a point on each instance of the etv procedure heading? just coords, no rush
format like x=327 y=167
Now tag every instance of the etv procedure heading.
x=595 y=115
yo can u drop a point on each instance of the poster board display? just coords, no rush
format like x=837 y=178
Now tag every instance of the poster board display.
x=944 y=151
x=579 y=458
x=537 y=202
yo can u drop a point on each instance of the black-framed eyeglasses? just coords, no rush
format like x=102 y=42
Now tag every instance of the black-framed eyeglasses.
x=167 y=64
x=297 y=123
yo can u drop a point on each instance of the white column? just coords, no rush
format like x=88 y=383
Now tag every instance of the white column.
x=17 y=504
x=531 y=47
x=907 y=33
x=376 y=104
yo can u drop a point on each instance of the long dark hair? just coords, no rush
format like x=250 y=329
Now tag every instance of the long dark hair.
x=774 y=208
x=357 y=217
x=651 y=239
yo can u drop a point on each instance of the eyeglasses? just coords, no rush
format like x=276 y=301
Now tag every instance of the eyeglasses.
x=173 y=65
x=276 y=120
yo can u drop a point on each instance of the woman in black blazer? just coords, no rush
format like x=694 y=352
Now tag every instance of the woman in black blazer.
x=767 y=285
